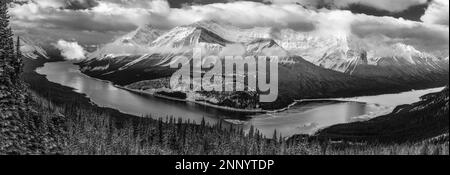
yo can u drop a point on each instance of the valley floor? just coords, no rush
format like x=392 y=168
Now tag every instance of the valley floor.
x=84 y=128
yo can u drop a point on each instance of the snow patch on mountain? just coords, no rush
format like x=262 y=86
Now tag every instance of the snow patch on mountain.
x=338 y=52
x=31 y=50
x=133 y=43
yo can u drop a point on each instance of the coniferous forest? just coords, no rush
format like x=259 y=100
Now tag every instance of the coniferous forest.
x=41 y=117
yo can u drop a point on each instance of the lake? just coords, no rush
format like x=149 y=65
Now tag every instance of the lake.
x=302 y=118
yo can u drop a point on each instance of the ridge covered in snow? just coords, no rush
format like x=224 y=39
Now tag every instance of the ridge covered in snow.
x=133 y=43
x=31 y=50
x=337 y=52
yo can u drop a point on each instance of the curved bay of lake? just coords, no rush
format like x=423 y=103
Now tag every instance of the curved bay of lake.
x=302 y=118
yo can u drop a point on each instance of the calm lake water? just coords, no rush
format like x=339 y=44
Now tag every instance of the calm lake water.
x=304 y=117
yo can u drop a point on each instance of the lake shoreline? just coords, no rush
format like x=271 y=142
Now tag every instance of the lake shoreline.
x=237 y=110
x=255 y=111
x=229 y=109
x=288 y=123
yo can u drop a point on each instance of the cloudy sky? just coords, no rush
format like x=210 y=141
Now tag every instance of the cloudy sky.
x=422 y=23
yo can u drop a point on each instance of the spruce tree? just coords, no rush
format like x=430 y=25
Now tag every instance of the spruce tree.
x=2 y=43
x=18 y=62
x=6 y=44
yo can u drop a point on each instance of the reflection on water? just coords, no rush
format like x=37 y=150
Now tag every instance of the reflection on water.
x=394 y=100
x=308 y=118
x=303 y=118
x=106 y=94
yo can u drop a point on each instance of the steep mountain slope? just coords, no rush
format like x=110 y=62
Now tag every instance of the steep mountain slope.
x=338 y=52
x=311 y=65
x=31 y=49
x=346 y=53
x=419 y=121
x=180 y=41
x=304 y=80
x=133 y=43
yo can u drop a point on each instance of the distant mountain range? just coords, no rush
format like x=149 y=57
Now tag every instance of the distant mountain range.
x=311 y=66
x=337 y=52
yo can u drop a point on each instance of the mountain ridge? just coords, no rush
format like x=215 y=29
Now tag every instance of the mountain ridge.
x=338 y=70
x=31 y=50
x=337 y=52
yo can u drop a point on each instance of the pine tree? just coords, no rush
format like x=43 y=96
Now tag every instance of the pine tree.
x=274 y=138
x=251 y=132
x=18 y=62
x=6 y=44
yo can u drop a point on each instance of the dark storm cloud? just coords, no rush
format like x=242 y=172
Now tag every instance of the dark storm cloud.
x=109 y=18
x=182 y=3
x=407 y=9
x=413 y=13
x=80 y=4
x=63 y=4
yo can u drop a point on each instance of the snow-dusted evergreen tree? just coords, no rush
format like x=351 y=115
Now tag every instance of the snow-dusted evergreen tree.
x=6 y=44
x=11 y=56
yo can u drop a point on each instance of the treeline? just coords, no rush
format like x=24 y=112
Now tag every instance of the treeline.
x=88 y=129
x=22 y=131
x=93 y=131
x=425 y=119
x=10 y=56
x=47 y=118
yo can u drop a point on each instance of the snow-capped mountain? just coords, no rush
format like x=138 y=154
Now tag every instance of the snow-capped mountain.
x=335 y=51
x=311 y=65
x=347 y=59
x=406 y=54
x=344 y=53
x=149 y=47
x=146 y=53
x=186 y=37
x=32 y=50
x=235 y=34
x=134 y=43
x=341 y=53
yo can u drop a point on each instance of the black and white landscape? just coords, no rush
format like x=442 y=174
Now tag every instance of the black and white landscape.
x=354 y=77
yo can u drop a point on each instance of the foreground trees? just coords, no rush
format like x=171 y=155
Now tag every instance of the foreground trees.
x=22 y=130
x=10 y=55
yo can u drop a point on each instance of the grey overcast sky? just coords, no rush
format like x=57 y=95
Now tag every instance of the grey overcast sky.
x=424 y=22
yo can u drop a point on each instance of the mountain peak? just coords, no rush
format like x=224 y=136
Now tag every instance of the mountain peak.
x=336 y=51
x=133 y=43
x=31 y=49
x=146 y=34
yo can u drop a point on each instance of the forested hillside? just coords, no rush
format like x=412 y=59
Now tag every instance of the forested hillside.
x=41 y=117
x=408 y=123
x=23 y=130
